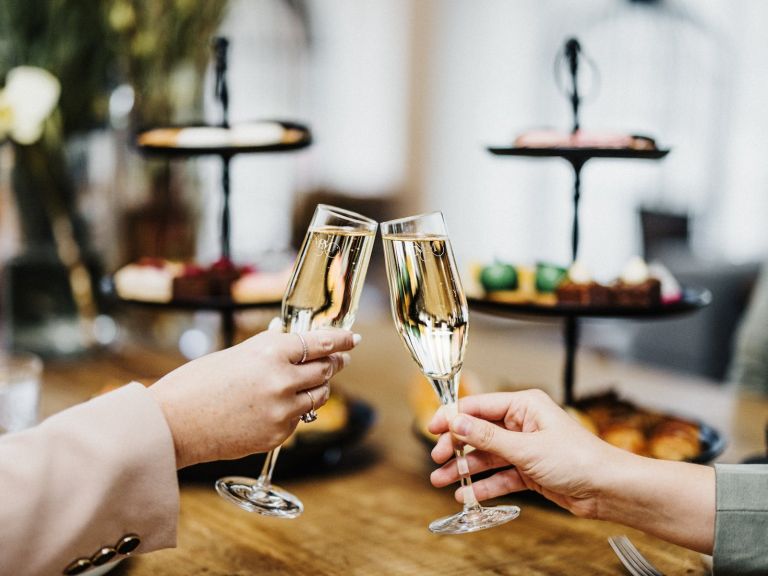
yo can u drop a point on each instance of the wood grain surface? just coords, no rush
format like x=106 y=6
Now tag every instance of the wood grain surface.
x=369 y=516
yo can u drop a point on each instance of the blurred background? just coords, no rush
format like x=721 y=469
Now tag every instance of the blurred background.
x=403 y=97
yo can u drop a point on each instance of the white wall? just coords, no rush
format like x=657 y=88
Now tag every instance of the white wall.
x=405 y=95
x=672 y=73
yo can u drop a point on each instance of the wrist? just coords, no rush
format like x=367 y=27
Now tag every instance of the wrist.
x=674 y=501
x=173 y=425
x=620 y=485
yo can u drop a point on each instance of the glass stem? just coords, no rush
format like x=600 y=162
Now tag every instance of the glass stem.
x=265 y=478
x=448 y=392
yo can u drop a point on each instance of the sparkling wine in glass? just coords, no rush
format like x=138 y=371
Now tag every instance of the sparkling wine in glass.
x=431 y=315
x=324 y=291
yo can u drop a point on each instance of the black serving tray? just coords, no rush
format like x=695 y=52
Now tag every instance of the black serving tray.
x=215 y=303
x=186 y=151
x=692 y=299
x=711 y=441
x=580 y=154
x=311 y=453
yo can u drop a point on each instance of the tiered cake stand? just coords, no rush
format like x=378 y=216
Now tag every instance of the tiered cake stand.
x=692 y=299
x=225 y=305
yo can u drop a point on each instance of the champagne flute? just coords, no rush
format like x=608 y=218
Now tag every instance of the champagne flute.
x=431 y=315
x=324 y=291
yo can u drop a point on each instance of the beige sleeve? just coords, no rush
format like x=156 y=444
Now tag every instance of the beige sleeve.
x=83 y=480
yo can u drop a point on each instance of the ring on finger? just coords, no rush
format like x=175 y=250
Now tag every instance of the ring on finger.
x=304 y=349
x=310 y=416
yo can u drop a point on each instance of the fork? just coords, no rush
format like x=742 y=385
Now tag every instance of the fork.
x=633 y=561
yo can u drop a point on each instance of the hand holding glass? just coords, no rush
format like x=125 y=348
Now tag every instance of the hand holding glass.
x=431 y=315
x=324 y=291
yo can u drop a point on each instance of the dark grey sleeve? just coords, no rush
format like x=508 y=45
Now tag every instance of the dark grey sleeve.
x=741 y=521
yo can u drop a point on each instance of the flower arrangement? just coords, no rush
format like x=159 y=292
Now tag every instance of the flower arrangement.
x=61 y=59
x=28 y=99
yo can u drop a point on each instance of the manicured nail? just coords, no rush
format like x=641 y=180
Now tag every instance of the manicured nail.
x=356 y=338
x=345 y=359
x=461 y=425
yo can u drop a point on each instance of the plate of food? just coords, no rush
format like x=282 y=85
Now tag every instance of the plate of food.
x=549 y=289
x=222 y=284
x=614 y=419
x=254 y=136
x=647 y=432
x=325 y=444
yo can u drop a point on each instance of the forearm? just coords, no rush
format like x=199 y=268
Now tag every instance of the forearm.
x=674 y=501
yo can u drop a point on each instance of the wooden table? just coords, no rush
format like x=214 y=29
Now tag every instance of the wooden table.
x=373 y=520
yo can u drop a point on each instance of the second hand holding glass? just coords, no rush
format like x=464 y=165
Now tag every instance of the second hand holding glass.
x=324 y=291
x=431 y=315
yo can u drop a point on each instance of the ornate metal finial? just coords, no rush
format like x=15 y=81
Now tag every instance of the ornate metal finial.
x=221 y=91
x=572 y=49
x=569 y=58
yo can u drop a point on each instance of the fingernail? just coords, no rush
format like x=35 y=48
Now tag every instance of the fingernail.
x=461 y=425
x=356 y=338
x=345 y=359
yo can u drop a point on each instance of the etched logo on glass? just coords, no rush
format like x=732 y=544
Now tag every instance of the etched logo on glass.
x=327 y=246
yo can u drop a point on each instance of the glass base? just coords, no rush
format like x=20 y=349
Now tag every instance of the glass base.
x=253 y=496
x=474 y=520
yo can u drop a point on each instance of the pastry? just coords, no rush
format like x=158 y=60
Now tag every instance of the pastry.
x=639 y=430
x=636 y=288
x=149 y=280
x=160 y=137
x=578 y=289
x=582 y=418
x=256 y=286
x=223 y=274
x=582 y=139
x=671 y=291
x=257 y=134
x=516 y=286
x=625 y=436
x=192 y=283
x=499 y=276
x=675 y=440
x=245 y=134
x=548 y=279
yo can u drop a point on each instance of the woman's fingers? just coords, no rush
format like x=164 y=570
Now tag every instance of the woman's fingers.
x=478 y=462
x=501 y=483
x=303 y=347
x=311 y=398
x=316 y=372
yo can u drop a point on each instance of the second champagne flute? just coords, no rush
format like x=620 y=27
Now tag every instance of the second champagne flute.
x=431 y=315
x=324 y=291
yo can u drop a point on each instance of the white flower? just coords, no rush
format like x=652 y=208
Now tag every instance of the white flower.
x=29 y=97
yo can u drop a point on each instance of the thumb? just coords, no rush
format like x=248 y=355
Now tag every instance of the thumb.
x=485 y=436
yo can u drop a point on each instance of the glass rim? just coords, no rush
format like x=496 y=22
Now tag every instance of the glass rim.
x=413 y=217
x=349 y=214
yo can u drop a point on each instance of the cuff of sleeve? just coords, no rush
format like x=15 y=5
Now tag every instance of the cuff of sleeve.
x=741 y=521
x=132 y=484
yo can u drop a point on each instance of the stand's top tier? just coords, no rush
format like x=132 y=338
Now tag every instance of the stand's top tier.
x=245 y=138
x=224 y=139
x=577 y=145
